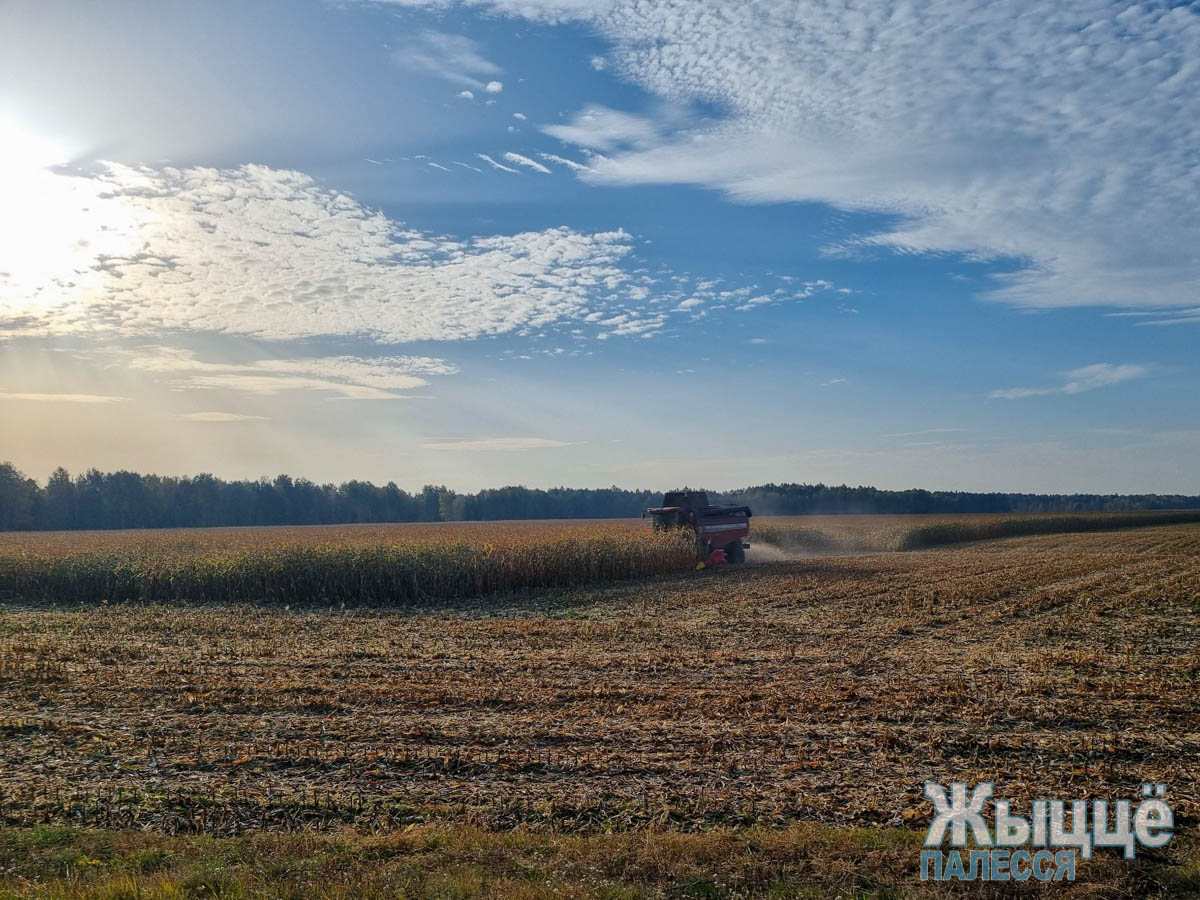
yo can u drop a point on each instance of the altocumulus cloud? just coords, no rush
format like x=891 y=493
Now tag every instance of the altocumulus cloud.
x=270 y=253
x=1062 y=134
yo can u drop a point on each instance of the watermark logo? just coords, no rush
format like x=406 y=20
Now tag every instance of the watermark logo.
x=1040 y=846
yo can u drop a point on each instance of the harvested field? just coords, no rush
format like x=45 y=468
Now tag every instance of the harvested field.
x=1064 y=663
x=768 y=697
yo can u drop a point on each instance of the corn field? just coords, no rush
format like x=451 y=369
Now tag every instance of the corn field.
x=873 y=534
x=408 y=565
x=395 y=565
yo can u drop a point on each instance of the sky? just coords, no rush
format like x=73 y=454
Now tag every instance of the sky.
x=949 y=245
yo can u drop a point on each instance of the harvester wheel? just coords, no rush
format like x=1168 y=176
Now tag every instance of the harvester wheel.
x=735 y=553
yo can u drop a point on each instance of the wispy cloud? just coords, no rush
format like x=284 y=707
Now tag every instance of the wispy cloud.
x=1181 y=317
x=350 y=377
x=495 y=165
x=486 y=444
x=61 y=398
x=454 y=57
x=925 y=431
x=601 y=128
x=563 y=161
x=1086 y=378
x=220 y=417
x=519 y=160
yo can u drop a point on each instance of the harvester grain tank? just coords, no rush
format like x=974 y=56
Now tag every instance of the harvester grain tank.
x=721 y=532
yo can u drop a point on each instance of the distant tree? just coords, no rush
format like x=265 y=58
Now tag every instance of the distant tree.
x=60 y=504
x=18 y=499
x=431 y=503
x=130 y=500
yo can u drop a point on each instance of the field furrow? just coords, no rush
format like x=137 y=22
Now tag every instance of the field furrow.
x=827 y=688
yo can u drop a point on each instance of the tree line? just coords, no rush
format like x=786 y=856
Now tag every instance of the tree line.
x=100 y=500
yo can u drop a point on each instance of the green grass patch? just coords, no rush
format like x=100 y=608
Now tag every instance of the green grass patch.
x=465 y=863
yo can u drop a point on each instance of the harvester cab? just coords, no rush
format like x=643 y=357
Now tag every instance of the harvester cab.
x=721 y=532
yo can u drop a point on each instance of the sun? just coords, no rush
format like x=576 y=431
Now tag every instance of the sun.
x=56 y=226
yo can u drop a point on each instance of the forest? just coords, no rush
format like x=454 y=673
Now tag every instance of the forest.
x=103 y=500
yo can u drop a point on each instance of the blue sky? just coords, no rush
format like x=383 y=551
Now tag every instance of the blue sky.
x=573 y=242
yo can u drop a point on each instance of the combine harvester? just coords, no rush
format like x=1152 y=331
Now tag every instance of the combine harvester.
x=721 y=531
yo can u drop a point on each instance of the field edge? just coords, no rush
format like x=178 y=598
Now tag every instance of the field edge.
x=460 y=861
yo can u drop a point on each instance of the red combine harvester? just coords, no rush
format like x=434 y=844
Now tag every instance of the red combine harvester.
x=721 y=531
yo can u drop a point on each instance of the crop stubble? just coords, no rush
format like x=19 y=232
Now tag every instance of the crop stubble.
x=830 y=689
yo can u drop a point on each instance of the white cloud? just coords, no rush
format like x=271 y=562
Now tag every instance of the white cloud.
x=466 y=95
x=450 y=56
x=1062 y=136
x=1086 y=378
x=270 y=253
x=1098 y=375
x=494 y=87
x=220 y=417
x=562 y=161
x=1177 y=317
x=925 y=431
x=832 y=381
x=351 y=377
x=61 y=398
x=468 y=166
x=519 y=116
x=807 y=289
x=1020 y=393
x=438 y=166
x=511 y=443
x=519 y=160
x=495 y=165
x=601 y=128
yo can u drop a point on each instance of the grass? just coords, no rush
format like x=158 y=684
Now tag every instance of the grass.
x=808 y=860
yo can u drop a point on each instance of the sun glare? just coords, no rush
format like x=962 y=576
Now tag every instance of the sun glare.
x=54 y=225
